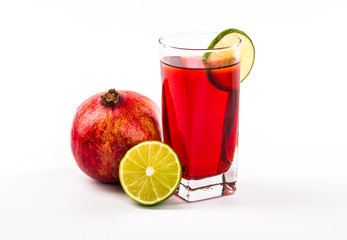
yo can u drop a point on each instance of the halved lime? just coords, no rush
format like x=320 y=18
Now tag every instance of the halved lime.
x=225 y=39
x=150 y=172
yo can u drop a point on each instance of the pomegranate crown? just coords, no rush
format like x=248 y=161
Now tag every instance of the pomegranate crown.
x=110 y=98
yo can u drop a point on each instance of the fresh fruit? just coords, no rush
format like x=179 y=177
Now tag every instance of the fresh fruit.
x=150 y=172
x=226 y=39
x=106 y=126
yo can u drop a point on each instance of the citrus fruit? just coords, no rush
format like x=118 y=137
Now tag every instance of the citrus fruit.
x=226 y=39
x=150 y=172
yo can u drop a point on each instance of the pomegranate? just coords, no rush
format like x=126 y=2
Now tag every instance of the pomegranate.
x=106 y=126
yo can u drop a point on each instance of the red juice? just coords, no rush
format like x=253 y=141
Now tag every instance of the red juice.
x=200 y=108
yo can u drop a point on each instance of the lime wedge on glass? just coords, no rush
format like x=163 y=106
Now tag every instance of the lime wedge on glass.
x=150 y=172
x=225 y=39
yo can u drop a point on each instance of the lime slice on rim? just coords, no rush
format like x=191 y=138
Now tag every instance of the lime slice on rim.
x=225 y=39
x=150 y=172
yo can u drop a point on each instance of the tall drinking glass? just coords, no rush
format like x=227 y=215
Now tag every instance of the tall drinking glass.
x=200 y=111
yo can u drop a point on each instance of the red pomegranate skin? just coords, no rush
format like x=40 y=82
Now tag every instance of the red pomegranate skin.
x=101 y=135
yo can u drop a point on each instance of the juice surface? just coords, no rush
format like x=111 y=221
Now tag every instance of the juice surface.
x=200 y=107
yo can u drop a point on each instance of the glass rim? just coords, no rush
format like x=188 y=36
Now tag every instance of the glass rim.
x=164 y=45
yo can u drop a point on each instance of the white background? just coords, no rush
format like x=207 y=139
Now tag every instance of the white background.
x=292 y=180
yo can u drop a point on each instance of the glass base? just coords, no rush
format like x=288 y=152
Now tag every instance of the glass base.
x=210 y=187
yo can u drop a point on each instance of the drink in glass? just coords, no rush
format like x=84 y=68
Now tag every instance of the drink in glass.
x=200 y=112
